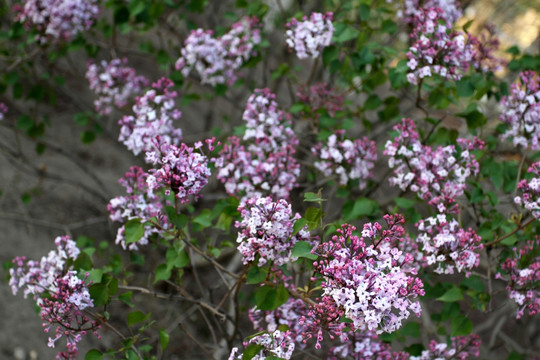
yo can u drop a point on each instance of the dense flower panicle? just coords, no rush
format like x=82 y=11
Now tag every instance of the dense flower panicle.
x=365 y=346
x=57 y=19
x=346 y=159
x=436 y=48
x=521 y=111
x=266 y=230
x=262 y=163
x=182 y=169
x=114 y=83
x=485 y=46
x=68 y=296
x=450 y=11
x=276 y=344
x=320 y=96
x=154 y=115
x=461 y=347
x=531 y=191
x=309 y=37
x=522 y=271
x=370 y=282
x=3 y=111
x=443 y=243
x=438 y=176
x=139 y=203
x=217 y=60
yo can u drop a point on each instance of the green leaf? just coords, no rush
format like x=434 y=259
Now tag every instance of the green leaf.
x=344 y=33
x=360 y=207
x=410 y=329
x=136 y=317
x=313 y=216
x=461 y=325
x=163 y=272
x=372 y=102
x=88 y=136
x=453 y=294
x=25 y=122
x=93 y=355
x=204 y=218
x=312 y=197
x=475 y=119
x=255 y=275
x=299 y=225
x=330 y=53
x=404 y=203
x=302 y=249
x=296 y=108
x=126 y=298
x=269 y=297
x=99 y=293
x=473 y=282
x=163 y=339
x=134 y=231
x=251 y=351
x=464 y=88
x=364 y=11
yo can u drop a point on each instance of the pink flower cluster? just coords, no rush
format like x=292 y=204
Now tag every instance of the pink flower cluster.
x=310 y=36
x=484 y=47
x=217 y=60
x=370 y=282
x=521 y=111
x=365 y=346
x=263 y=163
x=523 y=276
x=450 y=11
x=277 y=344
x=346 y=159
x=444 y=243
x=320 y=96
x=181 y=169
x=531 y=191
x=114 y=83
x=437 y=176
x=57 y=19
x=3 y=110
x=461 y=347
x=436 y=48
x=154 y=114
x=266 y=231
x=139 y=203
x=68 y=296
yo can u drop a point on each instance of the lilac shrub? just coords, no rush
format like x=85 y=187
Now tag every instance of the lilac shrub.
x=154 y=115
x=114 y=84
x=531 y=191
x=311 y=35
x=461 y=347
x=365 y=345
x=276 y=344
x=450 y=11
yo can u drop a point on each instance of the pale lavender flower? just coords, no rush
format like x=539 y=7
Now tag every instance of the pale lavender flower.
x=311 y=35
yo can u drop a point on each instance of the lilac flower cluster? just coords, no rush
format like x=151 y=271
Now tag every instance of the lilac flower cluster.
x=370 y=282
x=263 y=162
x=437 y=176
x=3 y=111
x=522 y=271
x=57 y=19
x=365 y=346
x=68 y=296
x=436 y=48
x=450 y=11
x=114 y=83
x=461 y=347
x=182 y=170
x=139 y=203
x=531 y=191
x=266 y=231
x=217 y=60
x=154 y=114
x=310 y=36
x=485 y=45
x=320 y=96
x=276 y=344
x=521 y=111
x=348 y=160
x=447 y=245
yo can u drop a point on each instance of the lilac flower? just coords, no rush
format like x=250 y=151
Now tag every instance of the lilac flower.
x=310 y=36
x=3 y=110
x=346 y=159
x=365 y=346
x=460 y=347
x=444 y=243
x=114 y=83
x=217 y=60
x=139 y=203
x=369 y=282
x=182 y=170
x=57 y=19
x=531 y=191
x=438 y=176
x=521 y=111
x=450 y=11
x=522 y=272
x=67 y=295
x=266 y=231
x=436 y=49
x=484 y=47
x=262 y=163
x=277 y=344
x=154 y=114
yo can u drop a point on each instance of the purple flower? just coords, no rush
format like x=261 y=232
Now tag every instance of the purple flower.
x=310 y=36
x=461 y=347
